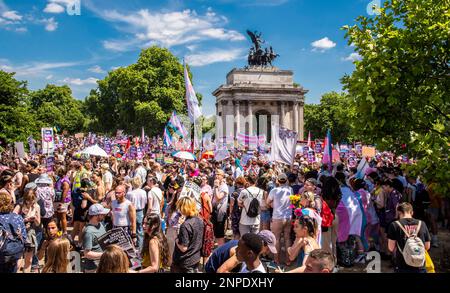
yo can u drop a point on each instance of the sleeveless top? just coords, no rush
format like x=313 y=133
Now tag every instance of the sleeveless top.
x=59 y=189
x=146 y=260
x=120 y=213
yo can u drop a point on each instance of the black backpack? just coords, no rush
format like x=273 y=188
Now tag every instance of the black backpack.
x=253 y=207
x=12 y=244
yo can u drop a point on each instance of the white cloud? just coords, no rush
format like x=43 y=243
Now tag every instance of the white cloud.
x=115 y=67
x=323 y=44
x=21 y=29
x=352 y=57
x=54 y=8
x=166 y=28
x=214 y=56
x=256 y=2
x=49 y=77
x=33 y=69
x=50 y=24
x=12 y=15
x=78 y=81
x=96 y=69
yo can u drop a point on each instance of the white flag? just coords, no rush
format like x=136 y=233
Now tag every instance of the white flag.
x=191 y=98
x=284 y=142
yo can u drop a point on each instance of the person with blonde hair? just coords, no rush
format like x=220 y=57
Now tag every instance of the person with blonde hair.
x=138 y=198
x=57 y=256
x=188 y=245
x=113 y=260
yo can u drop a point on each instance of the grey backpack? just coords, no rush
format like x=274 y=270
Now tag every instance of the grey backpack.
x=414 y=250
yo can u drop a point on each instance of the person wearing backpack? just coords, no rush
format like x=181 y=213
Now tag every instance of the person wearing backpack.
x=13 y=235
x=409 y=238
x=250 y=200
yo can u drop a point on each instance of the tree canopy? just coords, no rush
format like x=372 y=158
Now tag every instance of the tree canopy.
x=400 y=87
x=143 y=94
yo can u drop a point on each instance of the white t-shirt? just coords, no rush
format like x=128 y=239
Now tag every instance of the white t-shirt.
x=138 y=198
x=107 y=178
x=247 y=198
x=142 y=173
x=260 y=268
x=156 y=195
x=280 y=197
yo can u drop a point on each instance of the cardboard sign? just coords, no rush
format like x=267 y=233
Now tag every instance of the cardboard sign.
x=121 y=238
x=20 y=149
x=336 y=157
x=368 y=151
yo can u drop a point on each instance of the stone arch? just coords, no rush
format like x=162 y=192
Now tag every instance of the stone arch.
x=264 y=123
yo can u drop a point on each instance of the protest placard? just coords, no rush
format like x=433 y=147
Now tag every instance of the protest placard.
x=121 y=238
x=48 y=143
x=220 y=155
x=160 y=158
x=20 y=149
x=368 y=151
x=192 y=190
x=50 y=163
x=79 y=135
x=168 y=160
x=318 y=148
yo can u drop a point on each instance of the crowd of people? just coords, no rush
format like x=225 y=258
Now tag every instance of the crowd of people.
x=259 y=216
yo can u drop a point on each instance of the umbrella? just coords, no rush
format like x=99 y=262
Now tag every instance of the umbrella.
x=94 y=150
x=184 y=155
x=208 y=155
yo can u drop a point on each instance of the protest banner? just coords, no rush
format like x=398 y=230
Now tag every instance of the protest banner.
x=220 y=155
x=336 y=157
x=121 y=238
x=368 y=151
x=79 y=135
x=20 y=149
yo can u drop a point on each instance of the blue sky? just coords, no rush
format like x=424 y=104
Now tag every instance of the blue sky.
x=44 y=44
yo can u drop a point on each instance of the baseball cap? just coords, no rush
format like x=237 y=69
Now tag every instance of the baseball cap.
x=269 y=239
x=97 y=209
x=282 y=177
x=29 y=186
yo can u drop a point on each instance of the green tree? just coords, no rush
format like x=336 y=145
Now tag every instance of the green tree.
x=142 y=94
x=334 y=112
x=401 y=84
x=55 y=106
x=16 y=121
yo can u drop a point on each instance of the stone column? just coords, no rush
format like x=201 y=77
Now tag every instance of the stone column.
x=301 y=129
x=283 y=115
x=295 y=117
x=250 y=118
x=237 y=117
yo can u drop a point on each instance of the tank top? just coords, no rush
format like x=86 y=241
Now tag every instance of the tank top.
x=120 y=213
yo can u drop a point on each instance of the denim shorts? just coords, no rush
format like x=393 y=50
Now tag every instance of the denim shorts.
x=265 y=217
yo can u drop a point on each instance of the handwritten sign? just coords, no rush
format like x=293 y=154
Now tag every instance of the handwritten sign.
x=368 y=151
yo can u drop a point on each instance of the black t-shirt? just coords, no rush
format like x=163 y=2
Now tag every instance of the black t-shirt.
x=397 y=234
x=191 y=236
